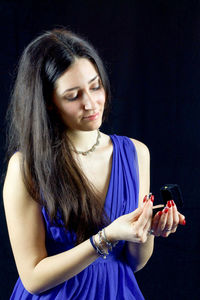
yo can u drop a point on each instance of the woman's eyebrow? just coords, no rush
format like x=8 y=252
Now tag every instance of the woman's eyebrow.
x=77 y=87
x=93 y=79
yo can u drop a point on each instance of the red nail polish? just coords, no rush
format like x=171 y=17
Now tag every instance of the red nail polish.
x=145 y=199
x=166 y=210
x=152 y=198
x=169 y=204
x=172 y=202
x=160 y=213
x=184 y=222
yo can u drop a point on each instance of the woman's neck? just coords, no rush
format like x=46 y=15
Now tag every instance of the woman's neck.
x=82 y=140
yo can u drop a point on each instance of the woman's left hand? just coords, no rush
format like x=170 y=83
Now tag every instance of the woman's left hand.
x=166 y=221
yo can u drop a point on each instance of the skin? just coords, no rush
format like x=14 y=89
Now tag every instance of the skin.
x=77 y=96
x=40 y=272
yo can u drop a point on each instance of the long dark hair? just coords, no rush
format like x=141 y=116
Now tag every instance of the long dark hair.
x=50 y=173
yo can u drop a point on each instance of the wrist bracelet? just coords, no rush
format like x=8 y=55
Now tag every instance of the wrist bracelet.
x=108 y=243
x=104 y=247
x=93 y=245
x=99 y=249
x=102 y=244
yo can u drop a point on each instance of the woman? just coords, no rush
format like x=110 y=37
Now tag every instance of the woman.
x=71 y=192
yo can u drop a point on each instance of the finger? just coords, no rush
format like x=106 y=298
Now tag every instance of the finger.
x=162 y=222
x=144 y=200
x=146 y=231
x=182 y=220
x=144 y=223
x=158 y=206
x=147 y=198
x=147 y=228
x=155 y=222
x=175 y=217
x=145 y=215
x=134 y=215
x=169 y=221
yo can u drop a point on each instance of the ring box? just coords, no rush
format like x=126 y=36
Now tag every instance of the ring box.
x=172 y=192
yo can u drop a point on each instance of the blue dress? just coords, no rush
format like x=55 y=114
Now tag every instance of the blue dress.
x=105 y=279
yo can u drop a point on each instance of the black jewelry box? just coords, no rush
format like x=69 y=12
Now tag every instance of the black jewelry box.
x=172 y=192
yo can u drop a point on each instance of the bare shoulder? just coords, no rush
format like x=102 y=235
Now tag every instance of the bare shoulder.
x=14 y=163
x=14 y=190
x=141 y=148
x=13 y=174
x=14 y=166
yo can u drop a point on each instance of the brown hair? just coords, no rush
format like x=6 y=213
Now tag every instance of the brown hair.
x=52 y=176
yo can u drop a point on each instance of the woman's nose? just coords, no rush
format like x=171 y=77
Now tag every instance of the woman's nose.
x=89 y=102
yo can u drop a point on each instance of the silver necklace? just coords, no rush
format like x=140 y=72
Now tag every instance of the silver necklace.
x=92 y=148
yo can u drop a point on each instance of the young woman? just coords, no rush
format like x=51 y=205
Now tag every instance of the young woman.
x=79 y=222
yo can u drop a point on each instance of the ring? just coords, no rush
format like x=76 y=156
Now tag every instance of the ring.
x=167 y=229
x=151 y=231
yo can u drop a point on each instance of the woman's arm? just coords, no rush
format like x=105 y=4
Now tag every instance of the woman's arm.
x=37 y=271
x=139 y=254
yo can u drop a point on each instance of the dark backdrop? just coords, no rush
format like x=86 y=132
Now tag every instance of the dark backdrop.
x=152 y=54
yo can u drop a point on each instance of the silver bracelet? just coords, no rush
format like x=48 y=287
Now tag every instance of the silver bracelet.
x=108 y=243
x=102 y=243
x=99 y=249
x=104 y=247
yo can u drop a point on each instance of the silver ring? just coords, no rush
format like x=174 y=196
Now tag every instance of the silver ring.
x=167 y=229
x=151 y=231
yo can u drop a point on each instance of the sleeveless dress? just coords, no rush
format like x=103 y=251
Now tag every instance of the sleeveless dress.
x=105 y=279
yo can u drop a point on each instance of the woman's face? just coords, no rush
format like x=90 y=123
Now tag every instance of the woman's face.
x=79 y=96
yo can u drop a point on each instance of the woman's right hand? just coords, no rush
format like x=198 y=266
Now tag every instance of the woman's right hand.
x=132 y=227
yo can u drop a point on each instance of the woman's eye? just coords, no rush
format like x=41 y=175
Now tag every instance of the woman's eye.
x=71 y=97
x=96 y=87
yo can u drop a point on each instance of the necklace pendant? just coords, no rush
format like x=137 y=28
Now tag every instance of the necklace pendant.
x=84 y=153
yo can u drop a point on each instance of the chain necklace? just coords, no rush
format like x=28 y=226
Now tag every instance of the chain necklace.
x=92 y=148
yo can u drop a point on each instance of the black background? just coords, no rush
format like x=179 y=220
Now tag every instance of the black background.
x=151 y=50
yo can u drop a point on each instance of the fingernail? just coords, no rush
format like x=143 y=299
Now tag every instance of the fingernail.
x=152 y=198
x=145 y=199
x=169 y=204
x=166 y=210
x=172 y=202
x=184 y=222
x=160 y=213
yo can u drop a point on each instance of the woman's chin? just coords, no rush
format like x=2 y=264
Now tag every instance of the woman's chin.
x=92 y=125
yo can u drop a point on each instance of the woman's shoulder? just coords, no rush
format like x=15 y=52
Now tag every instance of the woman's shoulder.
x=13 y=175
x=14 y=166
x=15 y=193
x=140 y=147
x=142 y=153
x=15 y=160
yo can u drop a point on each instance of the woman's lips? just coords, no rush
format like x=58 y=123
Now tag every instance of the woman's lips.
x=92 y=117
